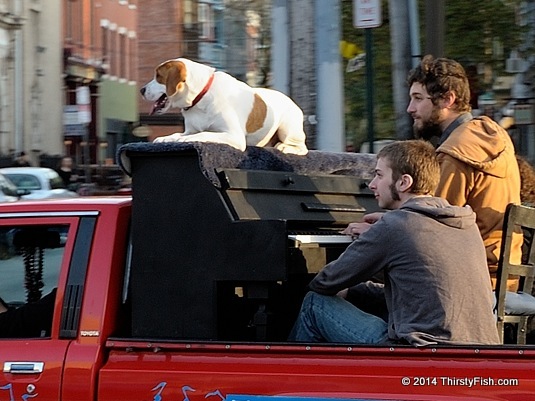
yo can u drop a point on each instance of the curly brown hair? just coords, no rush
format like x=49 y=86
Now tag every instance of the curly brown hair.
x=440 y=76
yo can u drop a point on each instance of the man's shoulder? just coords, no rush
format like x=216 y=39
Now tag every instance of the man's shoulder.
x=483 y=125
x=398 y=216
x=481 y=143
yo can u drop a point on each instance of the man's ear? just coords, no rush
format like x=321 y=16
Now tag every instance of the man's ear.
x=448 y=100
x=405 y=183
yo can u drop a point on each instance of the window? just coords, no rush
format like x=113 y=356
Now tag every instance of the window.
x=187 y=9
x=31 y=258
x=205 y=21
x=7 y=187
x=105 y=45
x=114 y=55
x=25 y=181
x=122 y=55
x=131 y=56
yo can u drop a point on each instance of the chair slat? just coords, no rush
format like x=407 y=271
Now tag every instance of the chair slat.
x=518 y=219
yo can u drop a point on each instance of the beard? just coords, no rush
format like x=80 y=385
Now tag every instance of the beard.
x=394 y=192
x=390 y=204
x=430 y=129
x=428 y=132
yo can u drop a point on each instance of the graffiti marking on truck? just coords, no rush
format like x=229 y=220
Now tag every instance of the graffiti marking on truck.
x=185 y=389
x=9 y=387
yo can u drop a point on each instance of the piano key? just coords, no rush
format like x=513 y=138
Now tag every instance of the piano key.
x=321 y=239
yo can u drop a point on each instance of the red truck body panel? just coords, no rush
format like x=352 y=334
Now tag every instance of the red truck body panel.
x=98 y=364
x=221 y=370
x=71 y=367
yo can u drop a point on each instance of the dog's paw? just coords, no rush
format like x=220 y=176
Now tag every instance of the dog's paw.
x=169 y=138
x=291 y=149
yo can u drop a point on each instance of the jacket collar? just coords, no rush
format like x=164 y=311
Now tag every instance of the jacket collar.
x=458 y=121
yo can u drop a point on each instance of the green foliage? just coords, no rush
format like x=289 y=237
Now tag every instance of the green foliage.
x=473 y=28
x=474 y=31
x=355 y=82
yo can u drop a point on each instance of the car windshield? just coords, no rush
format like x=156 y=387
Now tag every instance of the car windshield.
x=25 y=181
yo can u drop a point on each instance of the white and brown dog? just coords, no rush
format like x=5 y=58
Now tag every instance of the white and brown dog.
x=219 y=108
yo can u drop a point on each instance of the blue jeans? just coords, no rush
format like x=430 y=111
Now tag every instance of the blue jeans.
x=518 y=303
x=332 y=319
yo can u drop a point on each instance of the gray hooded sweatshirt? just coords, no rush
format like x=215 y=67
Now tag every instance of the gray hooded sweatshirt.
x=437 y=285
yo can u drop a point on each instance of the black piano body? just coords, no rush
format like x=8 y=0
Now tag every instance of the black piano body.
x=224 y=242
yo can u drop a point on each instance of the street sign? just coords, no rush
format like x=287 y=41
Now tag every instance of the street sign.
x=70 y=114
x=74 y=129
x=84 y=113
x=76 y=114
x=367 y=13
x=356 y=63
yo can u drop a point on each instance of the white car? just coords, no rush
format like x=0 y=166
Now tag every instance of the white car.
x=8 y=190
x=42 y=182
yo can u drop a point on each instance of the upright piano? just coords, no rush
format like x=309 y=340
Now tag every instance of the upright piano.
x=224 y=242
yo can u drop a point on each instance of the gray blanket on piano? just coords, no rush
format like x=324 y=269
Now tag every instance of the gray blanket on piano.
x=214 y=156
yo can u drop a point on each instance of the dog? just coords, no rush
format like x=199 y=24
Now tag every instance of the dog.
x=219 y=108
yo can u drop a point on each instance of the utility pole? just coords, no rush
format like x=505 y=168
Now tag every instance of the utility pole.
x=302 y=63
x=367 y=14
x=400 y=38
x=434 y=27
x=293 y=67
x=280 y=47
x=330 y=132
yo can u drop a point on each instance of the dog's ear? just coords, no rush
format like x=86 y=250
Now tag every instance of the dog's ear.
x=172 y=74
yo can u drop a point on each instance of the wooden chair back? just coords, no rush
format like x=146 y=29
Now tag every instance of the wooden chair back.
x=518 y=219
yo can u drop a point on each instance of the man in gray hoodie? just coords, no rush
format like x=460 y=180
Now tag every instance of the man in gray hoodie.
x=437 y=285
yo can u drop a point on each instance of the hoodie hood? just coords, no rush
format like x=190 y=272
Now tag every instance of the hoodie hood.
x=461 y=217
x=481 y=143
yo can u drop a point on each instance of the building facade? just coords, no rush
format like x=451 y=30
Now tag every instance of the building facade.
x=73 y=88
x=100 y=77
x=166 y=31
x=30 y=79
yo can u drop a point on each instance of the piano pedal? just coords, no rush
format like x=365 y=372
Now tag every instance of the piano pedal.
x=260 y=322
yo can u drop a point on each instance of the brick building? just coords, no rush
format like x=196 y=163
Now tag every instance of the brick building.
x=100 y=77
x=162 y=36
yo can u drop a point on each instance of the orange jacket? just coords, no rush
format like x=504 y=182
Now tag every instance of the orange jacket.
x=479 y=168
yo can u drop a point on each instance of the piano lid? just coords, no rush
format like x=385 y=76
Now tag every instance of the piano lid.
x=315 y=199
x=319 y=188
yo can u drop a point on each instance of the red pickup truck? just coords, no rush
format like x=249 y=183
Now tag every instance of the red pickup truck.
x=97 y=343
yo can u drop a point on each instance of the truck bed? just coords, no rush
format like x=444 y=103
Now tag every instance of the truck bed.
x=240 y=371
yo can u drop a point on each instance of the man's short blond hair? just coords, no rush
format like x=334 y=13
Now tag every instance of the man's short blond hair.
x=416 y=158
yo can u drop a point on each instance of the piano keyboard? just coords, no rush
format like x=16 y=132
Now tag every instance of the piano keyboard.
x=321 y=239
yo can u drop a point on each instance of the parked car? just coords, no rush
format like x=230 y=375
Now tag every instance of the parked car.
x=8 y=190
x=8 y=193
x=41 y=182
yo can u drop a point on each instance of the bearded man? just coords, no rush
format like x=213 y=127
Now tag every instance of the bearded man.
x=476 y=155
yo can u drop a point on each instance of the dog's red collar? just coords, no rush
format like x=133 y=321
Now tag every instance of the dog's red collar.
x=201 y=93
